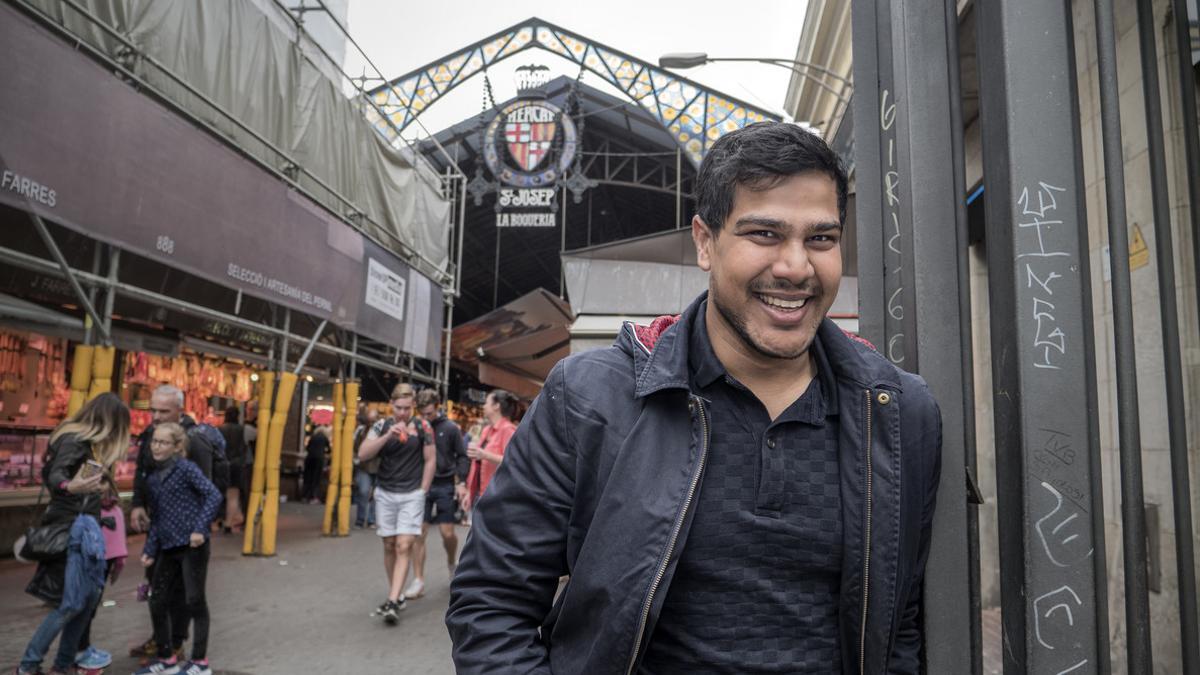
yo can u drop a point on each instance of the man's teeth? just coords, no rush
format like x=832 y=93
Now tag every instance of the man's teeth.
x=783 y=304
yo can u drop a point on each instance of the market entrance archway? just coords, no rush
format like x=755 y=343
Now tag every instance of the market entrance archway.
x=694 y=115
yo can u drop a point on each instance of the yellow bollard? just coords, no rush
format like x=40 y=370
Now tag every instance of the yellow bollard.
x=81 y=367
x=102 y=363
x=102 y=370
x=78 y=398
x=283 y=403
x=335 y=461
x=81 y=377
x=99 y=386
x=349 y=421
x=253 y=526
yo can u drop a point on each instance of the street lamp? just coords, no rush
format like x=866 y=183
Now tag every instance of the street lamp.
x=684 y=60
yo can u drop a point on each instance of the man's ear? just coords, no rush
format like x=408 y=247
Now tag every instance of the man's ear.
x=704 y=239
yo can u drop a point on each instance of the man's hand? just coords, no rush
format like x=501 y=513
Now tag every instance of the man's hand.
x=147 y=560
x=460 y=491
x=138 y=520
x=85 y=486
x=399 y=432
x=197 y=540
x=475 y=451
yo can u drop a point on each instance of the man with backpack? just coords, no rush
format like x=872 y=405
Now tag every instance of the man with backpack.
x=206 y=447
x=442 y=503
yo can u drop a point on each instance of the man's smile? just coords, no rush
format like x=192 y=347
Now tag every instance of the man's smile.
x=782 y=303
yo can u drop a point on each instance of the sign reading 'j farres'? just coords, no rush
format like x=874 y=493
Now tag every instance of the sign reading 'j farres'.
x=529 y=145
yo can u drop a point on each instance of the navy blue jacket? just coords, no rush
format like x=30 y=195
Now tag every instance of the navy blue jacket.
x=598 y=484
x=183 y=502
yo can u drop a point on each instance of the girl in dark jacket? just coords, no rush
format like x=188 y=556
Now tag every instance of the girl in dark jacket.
x=184 y=504
x=98 y=433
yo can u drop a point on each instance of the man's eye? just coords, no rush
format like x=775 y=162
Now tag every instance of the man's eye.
x=763 y=234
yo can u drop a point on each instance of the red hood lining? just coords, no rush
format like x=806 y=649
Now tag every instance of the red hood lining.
x=647 y=336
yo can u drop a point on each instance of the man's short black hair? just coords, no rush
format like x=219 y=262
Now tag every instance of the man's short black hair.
x=759 y=157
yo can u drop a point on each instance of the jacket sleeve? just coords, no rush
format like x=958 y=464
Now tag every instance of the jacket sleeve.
x=68 y=456
x=506 y=579
x=906 y=650
x=212 y=501
x=462 y=463
x=150 y=549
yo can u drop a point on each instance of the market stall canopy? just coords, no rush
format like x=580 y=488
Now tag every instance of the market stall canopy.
x=160 y=185
x=249 y=59
x=25 y=315
x=33 y=316
x=515 y=346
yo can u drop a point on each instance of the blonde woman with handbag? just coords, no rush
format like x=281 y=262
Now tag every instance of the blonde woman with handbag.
x=77 y=468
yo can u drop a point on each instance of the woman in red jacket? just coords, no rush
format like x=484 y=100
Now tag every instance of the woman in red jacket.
x=499 y=409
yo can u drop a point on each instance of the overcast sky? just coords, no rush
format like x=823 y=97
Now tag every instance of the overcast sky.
x=402 y=36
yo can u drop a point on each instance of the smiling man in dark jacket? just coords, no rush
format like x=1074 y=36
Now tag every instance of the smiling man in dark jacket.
x=741 y=489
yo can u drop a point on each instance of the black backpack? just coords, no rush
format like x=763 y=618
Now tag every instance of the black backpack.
x=212 y=438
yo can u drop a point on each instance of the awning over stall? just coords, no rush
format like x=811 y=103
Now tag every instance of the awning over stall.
x=515 y=346
x=145 y=179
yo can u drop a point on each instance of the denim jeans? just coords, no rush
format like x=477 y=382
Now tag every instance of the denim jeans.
x=364 y=483
x=70 y=622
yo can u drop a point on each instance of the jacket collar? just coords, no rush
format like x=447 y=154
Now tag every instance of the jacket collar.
x=705 y=368
x=660 y=353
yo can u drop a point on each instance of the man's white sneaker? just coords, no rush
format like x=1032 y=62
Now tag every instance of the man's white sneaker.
x=416 y=588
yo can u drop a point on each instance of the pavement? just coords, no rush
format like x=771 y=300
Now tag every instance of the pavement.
x=305 y=610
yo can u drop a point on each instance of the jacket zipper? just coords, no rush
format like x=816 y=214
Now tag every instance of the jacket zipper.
x=662 y=567
x=862 y=646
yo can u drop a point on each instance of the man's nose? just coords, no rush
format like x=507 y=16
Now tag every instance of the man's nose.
x=793 y=263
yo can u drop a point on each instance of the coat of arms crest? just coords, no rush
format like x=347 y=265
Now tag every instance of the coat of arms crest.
x=529 y=133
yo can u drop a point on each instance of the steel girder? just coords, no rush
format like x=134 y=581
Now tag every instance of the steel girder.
x=694 y=115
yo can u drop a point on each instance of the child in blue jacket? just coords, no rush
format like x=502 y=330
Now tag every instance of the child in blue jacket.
x=183 y=504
